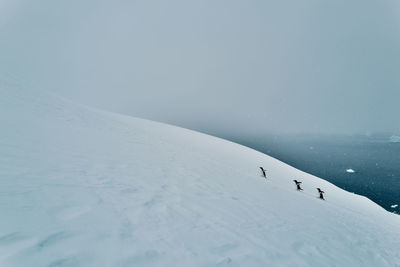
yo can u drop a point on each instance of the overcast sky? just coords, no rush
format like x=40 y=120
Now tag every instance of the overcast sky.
x=222 y=66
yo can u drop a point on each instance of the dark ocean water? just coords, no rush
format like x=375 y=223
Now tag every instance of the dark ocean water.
x=375 y=160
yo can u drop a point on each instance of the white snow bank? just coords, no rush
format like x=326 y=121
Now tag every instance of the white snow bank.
x=81 y=187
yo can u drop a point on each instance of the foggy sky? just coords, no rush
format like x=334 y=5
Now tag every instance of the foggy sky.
x=222 y=66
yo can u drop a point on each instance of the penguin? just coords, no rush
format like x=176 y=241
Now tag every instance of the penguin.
x=298 y=185
x=263 y=172
x=321 y=196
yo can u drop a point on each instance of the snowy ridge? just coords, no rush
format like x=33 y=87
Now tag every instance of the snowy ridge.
x=83 y=187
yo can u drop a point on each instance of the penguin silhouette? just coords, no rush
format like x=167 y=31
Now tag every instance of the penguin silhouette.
x=263 y=172
x=321 y=196
x=298 y=185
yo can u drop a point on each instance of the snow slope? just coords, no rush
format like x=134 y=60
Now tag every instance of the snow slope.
x=82 y=187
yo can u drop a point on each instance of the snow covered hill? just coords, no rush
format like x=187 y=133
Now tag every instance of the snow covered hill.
x=82 y=187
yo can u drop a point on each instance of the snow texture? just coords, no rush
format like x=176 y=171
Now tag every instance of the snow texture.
x=82 y=187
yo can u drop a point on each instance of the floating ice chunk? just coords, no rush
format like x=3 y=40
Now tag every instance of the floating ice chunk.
x=350 y=171
x=394 y=139
x=394 y=206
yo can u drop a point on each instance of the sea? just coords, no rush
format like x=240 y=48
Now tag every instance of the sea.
x=367 y=165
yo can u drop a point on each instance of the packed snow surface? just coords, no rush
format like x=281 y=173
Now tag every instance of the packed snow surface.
x=82 y=187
